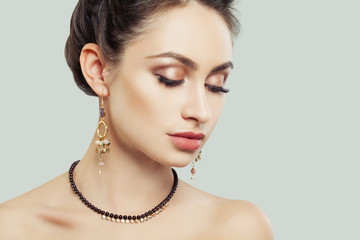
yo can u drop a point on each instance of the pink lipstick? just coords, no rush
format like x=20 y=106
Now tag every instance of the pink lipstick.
x=187 y=140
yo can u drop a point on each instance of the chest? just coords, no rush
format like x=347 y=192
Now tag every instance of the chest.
x=162 y=229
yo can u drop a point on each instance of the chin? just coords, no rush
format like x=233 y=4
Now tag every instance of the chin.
x=180 y=164
x=178 y=161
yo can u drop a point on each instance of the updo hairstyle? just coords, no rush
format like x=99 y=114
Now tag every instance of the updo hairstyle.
x=112 y=24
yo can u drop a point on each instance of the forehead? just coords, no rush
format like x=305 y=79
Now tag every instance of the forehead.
x=195 y=31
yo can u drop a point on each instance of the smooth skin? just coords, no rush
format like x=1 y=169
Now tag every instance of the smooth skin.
x=141 y=112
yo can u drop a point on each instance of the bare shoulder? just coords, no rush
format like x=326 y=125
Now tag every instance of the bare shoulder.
x=223 y=218
x=27 y=213
x=8 y=225
x=243 y=220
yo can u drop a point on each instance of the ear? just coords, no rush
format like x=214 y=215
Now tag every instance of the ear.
x=92 y=67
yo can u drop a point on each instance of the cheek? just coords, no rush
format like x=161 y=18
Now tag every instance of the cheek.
x=135 y=100
x=140 y=102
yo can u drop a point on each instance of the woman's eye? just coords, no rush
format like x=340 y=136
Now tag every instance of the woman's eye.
x=168 y=82
x=216 y=89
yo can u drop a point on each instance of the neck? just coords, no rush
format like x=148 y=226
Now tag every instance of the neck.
x=130 y=183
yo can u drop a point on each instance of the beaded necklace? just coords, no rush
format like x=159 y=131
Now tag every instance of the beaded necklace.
x=123 y=218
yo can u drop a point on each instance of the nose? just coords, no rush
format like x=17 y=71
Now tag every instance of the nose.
x=196 y=106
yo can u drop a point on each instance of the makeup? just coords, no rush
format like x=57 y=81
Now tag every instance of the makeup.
x=187 y=140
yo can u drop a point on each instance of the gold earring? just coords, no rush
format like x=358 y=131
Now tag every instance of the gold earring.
x=193 y=170
x=102 y=144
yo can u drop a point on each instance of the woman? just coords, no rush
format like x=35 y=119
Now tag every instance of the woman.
x=159 y=69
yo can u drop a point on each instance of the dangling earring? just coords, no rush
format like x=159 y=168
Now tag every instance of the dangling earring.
x=193 y=171
x=102 y=144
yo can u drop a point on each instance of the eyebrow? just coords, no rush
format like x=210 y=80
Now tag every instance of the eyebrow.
x=222 y=67
x=190 y=63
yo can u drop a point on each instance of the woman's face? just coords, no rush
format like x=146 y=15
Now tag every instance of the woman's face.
x=170 y=81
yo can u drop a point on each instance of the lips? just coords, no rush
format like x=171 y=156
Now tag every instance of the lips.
x=187 y=140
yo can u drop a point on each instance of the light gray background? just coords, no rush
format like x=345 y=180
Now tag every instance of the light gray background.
x=288 y=139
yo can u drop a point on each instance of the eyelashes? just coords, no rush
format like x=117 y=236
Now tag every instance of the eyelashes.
x=213 y=88
x=174 y=83
x=168 y=82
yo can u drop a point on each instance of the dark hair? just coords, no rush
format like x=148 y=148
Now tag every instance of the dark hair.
x=112 y=24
